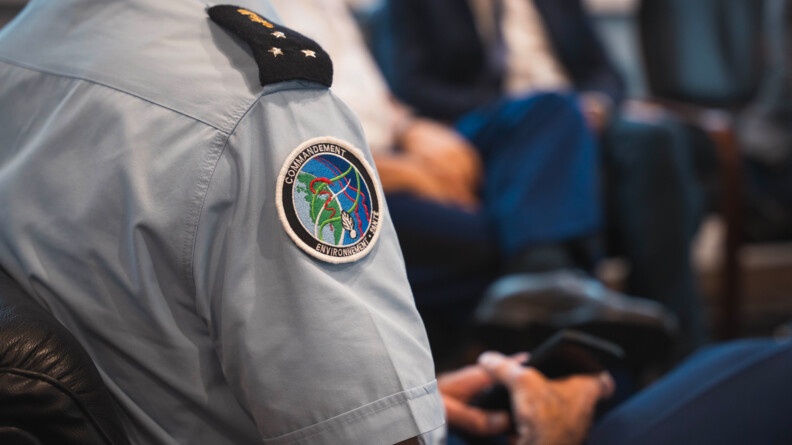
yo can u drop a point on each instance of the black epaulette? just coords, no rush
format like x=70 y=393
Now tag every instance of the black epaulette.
x=281 y=53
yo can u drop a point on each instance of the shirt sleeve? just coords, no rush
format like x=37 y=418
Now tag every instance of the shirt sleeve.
x=316 y=352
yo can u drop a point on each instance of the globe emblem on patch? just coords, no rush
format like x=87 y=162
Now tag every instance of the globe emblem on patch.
x=328 y=201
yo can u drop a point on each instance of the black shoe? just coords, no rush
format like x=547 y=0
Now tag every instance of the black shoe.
x=519 y=311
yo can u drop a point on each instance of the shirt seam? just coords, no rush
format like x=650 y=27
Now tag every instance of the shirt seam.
x=205 y=181
x=32 y=67
x=198 y=199
x=354 y=415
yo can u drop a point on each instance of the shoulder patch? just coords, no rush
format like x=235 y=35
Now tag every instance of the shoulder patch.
x=281 y=53
x=328 y=200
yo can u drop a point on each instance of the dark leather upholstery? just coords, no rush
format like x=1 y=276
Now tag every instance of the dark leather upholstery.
x=50 y=390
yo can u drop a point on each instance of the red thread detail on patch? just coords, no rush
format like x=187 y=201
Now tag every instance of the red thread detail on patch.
x=346 y=193
x=324 y=192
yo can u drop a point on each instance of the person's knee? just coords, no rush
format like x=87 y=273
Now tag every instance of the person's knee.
x=549 y=101
x=641 y=146
x=560 y=101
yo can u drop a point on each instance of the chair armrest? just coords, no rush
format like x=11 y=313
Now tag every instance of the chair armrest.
x=49 y=386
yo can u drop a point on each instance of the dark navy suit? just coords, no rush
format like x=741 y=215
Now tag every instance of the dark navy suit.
x=440 y=65
x=437 y=63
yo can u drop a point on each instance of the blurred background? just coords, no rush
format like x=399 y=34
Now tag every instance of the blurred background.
x=764 y=255
x=9 y=8
x=724 y=65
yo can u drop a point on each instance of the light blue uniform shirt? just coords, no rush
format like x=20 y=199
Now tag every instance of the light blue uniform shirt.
x=138 y=165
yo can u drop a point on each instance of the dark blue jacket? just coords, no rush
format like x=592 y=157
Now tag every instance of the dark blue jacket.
x=439 y=66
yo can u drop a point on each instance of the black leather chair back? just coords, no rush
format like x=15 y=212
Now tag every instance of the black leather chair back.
x=706 y=52
x=50 y=390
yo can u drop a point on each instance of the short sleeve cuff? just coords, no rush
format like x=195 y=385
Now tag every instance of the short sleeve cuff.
x=388 y=420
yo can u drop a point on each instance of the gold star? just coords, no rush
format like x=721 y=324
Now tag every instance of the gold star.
x=279 y=35
x=275 y=52
x=309 y=53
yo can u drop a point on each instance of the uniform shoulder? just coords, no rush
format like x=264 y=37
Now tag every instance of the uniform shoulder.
x=207 y=63
x=281 y=53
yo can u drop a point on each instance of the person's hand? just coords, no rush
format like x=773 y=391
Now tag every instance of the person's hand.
x=445 y=152
x=423 y=182
x=548 y=412
x=596 y=108
x=407 y=173
x=457 y=388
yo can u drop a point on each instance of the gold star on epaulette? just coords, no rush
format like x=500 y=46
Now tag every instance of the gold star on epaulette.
x=309 y=53
x=275 y=52
x=279 y=35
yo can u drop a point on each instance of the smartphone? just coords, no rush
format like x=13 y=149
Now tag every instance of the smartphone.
x=571 y=352
x=566 y=353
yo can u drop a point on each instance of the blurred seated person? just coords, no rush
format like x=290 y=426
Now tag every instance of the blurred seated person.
x=765 y=135
x=514 y=194
x=469 y=61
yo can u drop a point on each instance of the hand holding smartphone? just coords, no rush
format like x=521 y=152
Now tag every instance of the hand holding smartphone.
x=564 y=354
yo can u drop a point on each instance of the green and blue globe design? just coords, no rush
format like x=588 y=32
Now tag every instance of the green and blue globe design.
x=328 y=200
x=333 y=200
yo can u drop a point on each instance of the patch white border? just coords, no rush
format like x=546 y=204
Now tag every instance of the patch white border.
x=282 y=211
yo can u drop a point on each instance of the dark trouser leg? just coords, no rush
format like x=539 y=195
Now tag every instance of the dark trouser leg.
x=654 y=206
x=541 y=181
x=451 y=257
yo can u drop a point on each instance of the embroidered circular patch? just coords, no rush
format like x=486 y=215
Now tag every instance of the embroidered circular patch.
x=328 y=201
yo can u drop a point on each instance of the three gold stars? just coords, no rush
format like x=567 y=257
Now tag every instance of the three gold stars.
x=275 y=51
